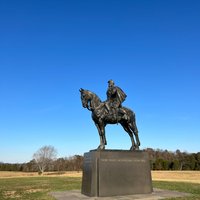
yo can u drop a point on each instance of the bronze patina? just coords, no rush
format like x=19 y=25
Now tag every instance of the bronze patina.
x=111 y=111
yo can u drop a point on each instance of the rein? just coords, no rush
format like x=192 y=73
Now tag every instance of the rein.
x=94 y=102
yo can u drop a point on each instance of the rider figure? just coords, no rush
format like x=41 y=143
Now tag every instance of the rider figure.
x=115 y=97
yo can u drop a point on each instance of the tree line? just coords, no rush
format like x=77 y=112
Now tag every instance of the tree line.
x=159 y=160
x=72 y=163
x=167 y=160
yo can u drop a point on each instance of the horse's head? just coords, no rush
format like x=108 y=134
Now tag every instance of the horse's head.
x=89 y=99
x=85 y=98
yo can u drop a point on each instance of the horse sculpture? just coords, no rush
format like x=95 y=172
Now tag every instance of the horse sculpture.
x=93 y=103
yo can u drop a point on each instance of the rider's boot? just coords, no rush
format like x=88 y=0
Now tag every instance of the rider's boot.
x=101 y=117
x=124 y=114
x=103 y=114
x=114 y=114
x=125 y=117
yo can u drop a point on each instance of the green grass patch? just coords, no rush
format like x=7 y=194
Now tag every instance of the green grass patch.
x=33 y=188
x=38 y=188
x=192 y=188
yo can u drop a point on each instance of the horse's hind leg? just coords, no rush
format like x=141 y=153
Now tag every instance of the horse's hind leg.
x=135 y=131
x=129 y=131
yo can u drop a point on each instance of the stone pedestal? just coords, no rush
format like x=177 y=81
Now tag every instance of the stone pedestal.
x=116 y=172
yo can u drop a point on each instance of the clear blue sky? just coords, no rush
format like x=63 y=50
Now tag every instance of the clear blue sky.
x=50 y=49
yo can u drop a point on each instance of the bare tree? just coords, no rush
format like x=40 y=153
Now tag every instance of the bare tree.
x=44 y=157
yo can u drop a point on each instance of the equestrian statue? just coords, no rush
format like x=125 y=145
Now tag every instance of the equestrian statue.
x=111 y=111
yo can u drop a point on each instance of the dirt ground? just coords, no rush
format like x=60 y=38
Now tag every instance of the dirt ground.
x=182 y=176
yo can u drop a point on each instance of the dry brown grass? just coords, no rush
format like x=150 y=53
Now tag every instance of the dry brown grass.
x=8 y=174
x=182 y=176
x=10 y=194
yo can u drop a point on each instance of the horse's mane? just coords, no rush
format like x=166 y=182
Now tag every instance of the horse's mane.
x=95 y=96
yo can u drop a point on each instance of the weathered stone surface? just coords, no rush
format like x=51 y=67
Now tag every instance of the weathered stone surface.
x=155 y=195
x=116 y=172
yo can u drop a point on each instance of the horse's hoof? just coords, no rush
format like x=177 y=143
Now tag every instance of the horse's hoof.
x=132 y=148
x=100 y=148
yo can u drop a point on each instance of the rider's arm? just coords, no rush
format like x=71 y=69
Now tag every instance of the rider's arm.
x=114 y=90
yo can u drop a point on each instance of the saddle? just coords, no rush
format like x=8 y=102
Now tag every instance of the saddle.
x=115 y=113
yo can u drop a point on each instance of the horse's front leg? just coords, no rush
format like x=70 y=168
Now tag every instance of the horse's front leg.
x=102 y=137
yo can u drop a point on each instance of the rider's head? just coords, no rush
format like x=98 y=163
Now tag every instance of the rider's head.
x=111 y=83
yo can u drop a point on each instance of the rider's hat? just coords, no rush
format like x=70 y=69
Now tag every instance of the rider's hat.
x=111 y=81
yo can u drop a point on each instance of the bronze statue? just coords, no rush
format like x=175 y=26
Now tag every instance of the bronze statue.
x=111 y=112
x=115 y=97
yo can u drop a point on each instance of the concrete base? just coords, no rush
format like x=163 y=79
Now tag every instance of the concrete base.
x=116 y=172
x=155 y=195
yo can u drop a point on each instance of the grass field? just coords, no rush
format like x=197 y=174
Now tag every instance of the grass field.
x=30 y=186
x=180 y=176
x=11 y=174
